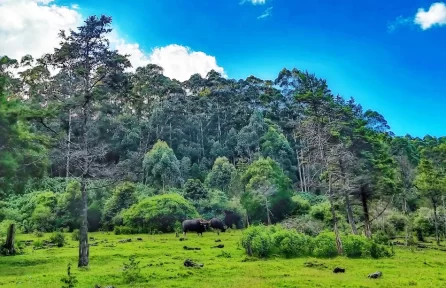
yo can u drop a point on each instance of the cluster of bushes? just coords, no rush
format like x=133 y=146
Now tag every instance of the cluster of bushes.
x=264 y=241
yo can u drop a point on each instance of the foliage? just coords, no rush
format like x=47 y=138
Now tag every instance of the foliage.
x=268 y=191
x=75 y=235
x=194 y=190
x=124 y=196
x=291 y=243
x=257 y=241
x=221 y=175
x=131 y=270
x=58 y=239
x=302 y=206
x=162 y=167
x=325 y=245
x=69 y=280
x=159 y=212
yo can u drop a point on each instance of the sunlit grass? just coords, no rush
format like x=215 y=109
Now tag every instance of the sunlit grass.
x=162 y=258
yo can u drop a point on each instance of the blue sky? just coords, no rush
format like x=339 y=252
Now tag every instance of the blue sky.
x=371 y=49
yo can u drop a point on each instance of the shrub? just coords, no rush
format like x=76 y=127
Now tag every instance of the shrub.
x=302 y=205
x=377 y=251
x=124 y=196
x=381 y=237
x=354 y=245
x=321 y=212
x=75 y=235
x=38 y=234
x=58 y=239
x=398 y=221
x=291 y=244
x=70 y=280
x=325 y=245
x=38 y=244
x=159 y=212
x=257 y=241
x=131 y=271
x=304 y=224
x=94 y=216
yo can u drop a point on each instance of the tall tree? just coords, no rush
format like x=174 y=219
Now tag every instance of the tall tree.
x=85 y=55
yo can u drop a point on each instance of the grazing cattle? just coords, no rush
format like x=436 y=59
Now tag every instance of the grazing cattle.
x=195 y=225
x=217 y=224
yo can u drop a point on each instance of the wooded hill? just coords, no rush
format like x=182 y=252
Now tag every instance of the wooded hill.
x=82 y=145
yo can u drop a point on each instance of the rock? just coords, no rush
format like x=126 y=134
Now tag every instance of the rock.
x=219 y=246
x=190 y=263
x=218 y=240
x=190 y=248
x=375 y=275
x=339 y=270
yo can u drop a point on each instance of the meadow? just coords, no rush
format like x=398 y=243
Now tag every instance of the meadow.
x=162 y=256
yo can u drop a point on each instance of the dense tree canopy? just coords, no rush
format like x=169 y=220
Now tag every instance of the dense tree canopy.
x=142 y=150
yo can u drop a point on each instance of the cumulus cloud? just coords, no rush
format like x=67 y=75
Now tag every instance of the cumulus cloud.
x=32 y=27
x=436 y=15
x=265 y=14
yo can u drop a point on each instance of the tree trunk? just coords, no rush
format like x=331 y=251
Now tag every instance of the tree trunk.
x=10 y=240
x=437 y=236
x=351 y=219
x=67 y=168
x=83 y=231
x=267 y=211
x=335 y=219
x=444 y=215
x=367 y=230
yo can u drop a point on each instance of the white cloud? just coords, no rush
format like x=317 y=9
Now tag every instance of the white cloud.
x=32 y=27
x=267 y=13
x=254 y=2
x=436 y=15
x=400 y=21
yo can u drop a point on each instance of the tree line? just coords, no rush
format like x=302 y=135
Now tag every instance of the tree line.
x=257 y=150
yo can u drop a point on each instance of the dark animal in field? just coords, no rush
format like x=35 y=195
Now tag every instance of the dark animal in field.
x=232 y=219
x=218 y=240
x=217 y=224
x=190 y=248
x=339 y=270
x=219 y=246
x=375 y=275
x=190 y=263
x=195 y=225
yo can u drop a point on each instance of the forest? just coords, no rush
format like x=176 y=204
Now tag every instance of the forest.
x=88 y=145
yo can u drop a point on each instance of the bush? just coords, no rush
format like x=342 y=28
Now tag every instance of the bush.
x=75 y=235
x=325 y=245
x=131 y=271
x=38 y=244
x=160 y=212
x=124 y=196
x=291 y=244
x=302 y=205
x=381 y=237
x=38 y=234
x=257 y=241
x=304 y=224
x=58 y=239
x=398 y=221
x=377 y=251
x=354 y=245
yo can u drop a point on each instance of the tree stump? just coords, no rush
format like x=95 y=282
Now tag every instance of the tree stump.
x=10 y=240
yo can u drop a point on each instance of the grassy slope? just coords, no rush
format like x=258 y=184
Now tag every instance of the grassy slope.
x=162 y=257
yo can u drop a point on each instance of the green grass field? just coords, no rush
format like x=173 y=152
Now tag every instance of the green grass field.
x=161 y=259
